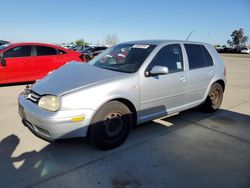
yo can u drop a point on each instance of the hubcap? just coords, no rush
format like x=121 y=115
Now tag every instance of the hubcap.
x=113 y=124
x=215 y=96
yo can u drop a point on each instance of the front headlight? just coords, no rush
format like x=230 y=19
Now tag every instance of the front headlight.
x=50 y=103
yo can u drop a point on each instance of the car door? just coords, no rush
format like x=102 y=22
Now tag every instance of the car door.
x=164 y=94
x=47 y=59
x=18 y=67
x=201 y=72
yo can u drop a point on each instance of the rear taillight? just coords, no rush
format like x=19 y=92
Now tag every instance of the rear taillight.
x=225 y=71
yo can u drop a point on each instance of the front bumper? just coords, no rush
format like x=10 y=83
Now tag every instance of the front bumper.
x=53 y=125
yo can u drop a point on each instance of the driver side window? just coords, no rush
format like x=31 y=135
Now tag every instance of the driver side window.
x=169 y=56
x=18 y=51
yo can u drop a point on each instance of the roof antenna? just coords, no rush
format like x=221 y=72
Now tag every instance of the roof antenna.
x=190 y=34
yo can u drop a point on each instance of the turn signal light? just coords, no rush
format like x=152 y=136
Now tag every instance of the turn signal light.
x=78 y=118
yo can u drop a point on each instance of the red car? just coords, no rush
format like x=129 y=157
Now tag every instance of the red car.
x=22 y=62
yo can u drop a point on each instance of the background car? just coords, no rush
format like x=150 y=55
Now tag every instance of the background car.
x=79 y=48
x=245 y=50
x=92 y=51
x=22 y=62
x=2 y=42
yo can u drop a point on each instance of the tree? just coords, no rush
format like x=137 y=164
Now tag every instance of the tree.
x=217 y=46
x=81 y=42
x=111 y=39
x=238 y=38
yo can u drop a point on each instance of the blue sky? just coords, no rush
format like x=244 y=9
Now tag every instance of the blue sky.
x=58 y=21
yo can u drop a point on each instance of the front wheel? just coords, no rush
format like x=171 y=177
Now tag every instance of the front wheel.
x=110 y=125
x=214 y=98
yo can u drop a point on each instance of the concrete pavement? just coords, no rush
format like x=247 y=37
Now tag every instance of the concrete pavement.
x=191 y=149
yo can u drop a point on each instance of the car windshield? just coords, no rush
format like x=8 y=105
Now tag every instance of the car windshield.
x=88 y=49
x=123 y=57
x=4 y=46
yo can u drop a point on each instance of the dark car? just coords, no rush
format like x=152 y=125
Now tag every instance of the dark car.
x=92 y=51
x=2 y=42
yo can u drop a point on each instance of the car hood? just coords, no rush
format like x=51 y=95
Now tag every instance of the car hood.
x=73 y=76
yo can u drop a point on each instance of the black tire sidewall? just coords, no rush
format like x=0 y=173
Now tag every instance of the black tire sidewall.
x=96 y=126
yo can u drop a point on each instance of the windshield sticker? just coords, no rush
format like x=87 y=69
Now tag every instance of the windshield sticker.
x=176 y=51
x=141 y=46
x=178 y=64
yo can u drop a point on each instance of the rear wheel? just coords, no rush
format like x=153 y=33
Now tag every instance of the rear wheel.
x=214 y=98
x=110 y=126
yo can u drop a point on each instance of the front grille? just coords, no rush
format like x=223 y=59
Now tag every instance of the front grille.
x=32 y=96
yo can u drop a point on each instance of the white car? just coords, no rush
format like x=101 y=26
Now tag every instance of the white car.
x=128 y=84
x=245 y=50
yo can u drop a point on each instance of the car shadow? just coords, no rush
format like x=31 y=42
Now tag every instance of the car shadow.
x=61 y=158
x=17 y=84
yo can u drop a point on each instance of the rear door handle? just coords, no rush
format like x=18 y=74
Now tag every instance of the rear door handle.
x=211 y=73
x=183 y=79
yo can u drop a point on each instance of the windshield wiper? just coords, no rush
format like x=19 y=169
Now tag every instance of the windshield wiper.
x=112 y=68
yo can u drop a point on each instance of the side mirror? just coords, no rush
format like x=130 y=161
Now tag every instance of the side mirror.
x=3 y=61
x=157 y=70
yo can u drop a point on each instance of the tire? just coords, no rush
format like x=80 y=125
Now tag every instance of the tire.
x=214 y=98
x=110 y=125
x=87 y=58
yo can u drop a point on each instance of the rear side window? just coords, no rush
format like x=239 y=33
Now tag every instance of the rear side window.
x=61 y=52
x=171 y=57
x=19 y=51
x=207 y=56
x=44 y=50
x=198 y=56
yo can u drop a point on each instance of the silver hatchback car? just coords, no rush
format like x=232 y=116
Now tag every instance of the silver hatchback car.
x=127 y=84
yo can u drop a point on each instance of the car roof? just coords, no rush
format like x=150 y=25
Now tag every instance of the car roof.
x=159 y=42
x=37 y=44
x=32 y=43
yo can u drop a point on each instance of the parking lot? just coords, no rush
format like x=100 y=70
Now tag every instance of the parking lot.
x=191 y=149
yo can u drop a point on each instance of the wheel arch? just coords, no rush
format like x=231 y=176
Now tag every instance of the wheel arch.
x=94 y=139
x=222 y=83
x=127 y=103
x=130 y=105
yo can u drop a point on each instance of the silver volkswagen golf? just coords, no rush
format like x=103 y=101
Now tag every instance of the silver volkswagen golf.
x=127 y=84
